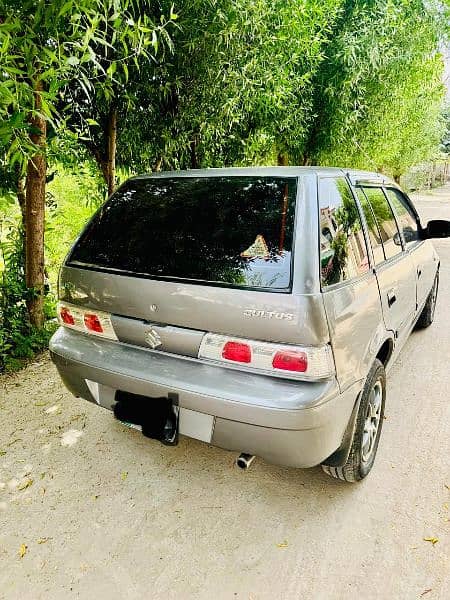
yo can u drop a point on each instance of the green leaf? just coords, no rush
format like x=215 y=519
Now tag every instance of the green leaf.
x=111 y=69
x=154 y=41
x=65 y=8
x=73 y=60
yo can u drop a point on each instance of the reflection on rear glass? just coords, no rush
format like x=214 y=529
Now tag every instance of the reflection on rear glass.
x=230 y=230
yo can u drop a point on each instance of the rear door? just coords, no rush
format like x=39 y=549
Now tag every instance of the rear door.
x=349 y=285
x=394 y=267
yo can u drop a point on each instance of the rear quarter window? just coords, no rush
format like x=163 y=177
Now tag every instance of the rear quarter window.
x=343 y=250
x=233 y=231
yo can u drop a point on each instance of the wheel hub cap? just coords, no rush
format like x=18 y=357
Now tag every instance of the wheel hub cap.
x=372 y=421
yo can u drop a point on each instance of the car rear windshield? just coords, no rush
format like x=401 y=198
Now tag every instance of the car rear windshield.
x=234 y=231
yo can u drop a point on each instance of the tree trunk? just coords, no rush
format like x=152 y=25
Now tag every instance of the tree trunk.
x=397 y=179
x=157 y=166
x=282 y=159
x=21 y=198
x=111 y=150
x=35 y=215
x=193 y=153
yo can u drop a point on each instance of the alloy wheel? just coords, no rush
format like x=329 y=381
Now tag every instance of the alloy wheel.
x=372 y=421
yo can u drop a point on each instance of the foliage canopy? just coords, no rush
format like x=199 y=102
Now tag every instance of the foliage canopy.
x=344 y=82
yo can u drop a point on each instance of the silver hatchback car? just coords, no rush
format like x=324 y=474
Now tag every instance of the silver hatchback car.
x=255 y=309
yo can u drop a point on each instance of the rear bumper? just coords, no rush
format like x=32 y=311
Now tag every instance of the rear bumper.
x=285 y=422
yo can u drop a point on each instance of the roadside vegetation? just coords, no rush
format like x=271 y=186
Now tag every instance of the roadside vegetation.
x=92 y=91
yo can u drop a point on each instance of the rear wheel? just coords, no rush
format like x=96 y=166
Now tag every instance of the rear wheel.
x=427 y=314
x=368 y=429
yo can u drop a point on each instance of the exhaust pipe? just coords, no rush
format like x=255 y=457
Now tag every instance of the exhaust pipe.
x=244 y=460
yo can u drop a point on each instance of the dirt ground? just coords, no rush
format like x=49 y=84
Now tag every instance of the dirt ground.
x=91 y=509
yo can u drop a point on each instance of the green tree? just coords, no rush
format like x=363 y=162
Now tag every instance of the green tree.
x=45 y=44
x=347 y=82
x=120 y=81
x=238 y=89
x=379 y=92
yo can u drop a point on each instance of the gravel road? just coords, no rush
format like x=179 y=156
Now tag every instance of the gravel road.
x=91 y=509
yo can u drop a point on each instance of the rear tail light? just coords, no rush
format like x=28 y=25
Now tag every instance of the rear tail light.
x=88 y=321
x=237 y=351
x=294 y=362
x=290 y=360
x=92 y=323
x=66 y=316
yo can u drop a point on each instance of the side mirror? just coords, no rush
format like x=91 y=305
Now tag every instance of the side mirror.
x=397 y=239
x=438 y=229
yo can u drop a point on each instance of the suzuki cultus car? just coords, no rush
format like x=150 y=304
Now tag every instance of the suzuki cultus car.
x=255 y=309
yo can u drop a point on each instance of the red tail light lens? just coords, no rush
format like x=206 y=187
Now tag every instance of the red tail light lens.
x=66 y=316
x=289 y=360
x=292 y=362
x=237 y=351
x=85 y=321
x=92 y=323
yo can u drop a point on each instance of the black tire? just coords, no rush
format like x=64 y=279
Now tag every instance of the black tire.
x=364 y=449
x=427 y=314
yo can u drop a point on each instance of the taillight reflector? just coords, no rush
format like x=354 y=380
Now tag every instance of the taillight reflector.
x=237 y=351
x=268 y=358
x=66 y=316
x=290 y=360
x=84 y=320
x=92 y=323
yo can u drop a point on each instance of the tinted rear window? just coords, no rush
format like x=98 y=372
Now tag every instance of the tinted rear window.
x=235 y=231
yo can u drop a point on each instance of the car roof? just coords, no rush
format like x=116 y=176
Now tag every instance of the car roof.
x=273 y=171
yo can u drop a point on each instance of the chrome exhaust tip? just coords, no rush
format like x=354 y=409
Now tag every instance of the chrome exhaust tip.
x=244 y=460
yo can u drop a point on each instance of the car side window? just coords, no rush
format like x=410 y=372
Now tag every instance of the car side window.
x=385 y=220
x=343 y=251
x=406 y=219
x=374 y=234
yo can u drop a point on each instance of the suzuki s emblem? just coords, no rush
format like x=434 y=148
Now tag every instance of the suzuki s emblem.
x=153 y=339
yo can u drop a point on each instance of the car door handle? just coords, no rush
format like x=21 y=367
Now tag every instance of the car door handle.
x=391 y=297
x=419 y=273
